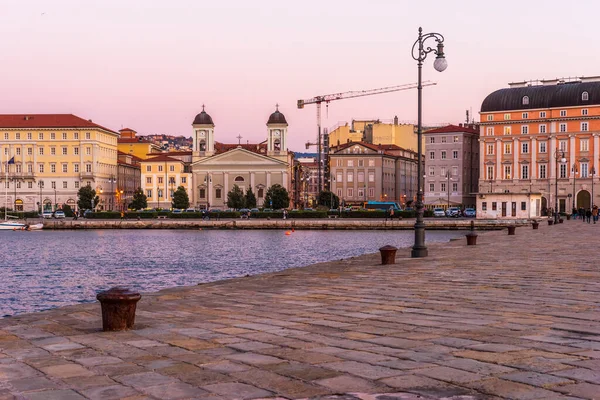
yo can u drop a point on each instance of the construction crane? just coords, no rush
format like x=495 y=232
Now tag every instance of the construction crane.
x=347 y=95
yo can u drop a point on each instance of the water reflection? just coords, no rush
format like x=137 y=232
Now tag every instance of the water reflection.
x=41 y=270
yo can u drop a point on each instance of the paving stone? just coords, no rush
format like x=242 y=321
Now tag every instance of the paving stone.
x=174 y=391
x=85 y=382
x=194 y=375
x=55 y=395
x=363 y=370
x=143 y=380
x=580 y=374
x=536 y=379
x=32 y=383
x=304 y=372
x=349 y=383
x=93 y=361
x=16 y=370
x=291 y=388
x=583 y=390
x=225 y=367
x=115 y=392
x=448 y=374
x=511 y=389
x=476 y=366
x=237 y=391
x=66 y=371
x=254 y=359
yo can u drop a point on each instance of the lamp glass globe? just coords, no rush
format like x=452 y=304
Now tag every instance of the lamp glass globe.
x=440 y=64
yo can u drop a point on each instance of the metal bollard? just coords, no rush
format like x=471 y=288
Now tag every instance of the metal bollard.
x=511 y=230
x=388 y=255
x=535 y=225
x=472 y=236
x=550 y=222
x=118 y=308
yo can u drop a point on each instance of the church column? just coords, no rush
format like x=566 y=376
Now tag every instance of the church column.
x=225 y=184
x=268 y=180
x=252 y=181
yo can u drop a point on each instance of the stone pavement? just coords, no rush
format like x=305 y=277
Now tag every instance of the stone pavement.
x=515 y=317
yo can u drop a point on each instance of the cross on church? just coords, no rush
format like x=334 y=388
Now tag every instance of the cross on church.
x=202 y=107
x=277 y=107
x=239 y=138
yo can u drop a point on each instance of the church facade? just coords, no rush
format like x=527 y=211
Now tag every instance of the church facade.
x=216 y=167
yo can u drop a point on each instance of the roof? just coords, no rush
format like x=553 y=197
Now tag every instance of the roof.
x=259 y=148
x=162 y=157
x=567 y=94
x=276 y=118
x=386 y=148
x=137 y=139
x=203 y=118
x=133 y=157
x=32 y=121
x=455 y=129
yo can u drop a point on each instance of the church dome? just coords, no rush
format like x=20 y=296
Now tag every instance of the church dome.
x=277 y=118
x=203 y=118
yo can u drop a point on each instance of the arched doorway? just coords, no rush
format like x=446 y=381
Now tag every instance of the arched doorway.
x=19 y=205
x=583 y=199
x=544 y=206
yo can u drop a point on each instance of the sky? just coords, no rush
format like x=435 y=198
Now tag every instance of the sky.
x=151 y=65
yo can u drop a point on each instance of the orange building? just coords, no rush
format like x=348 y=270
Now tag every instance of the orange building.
x=529 y=128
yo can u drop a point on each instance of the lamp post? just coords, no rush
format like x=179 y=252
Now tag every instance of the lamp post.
x=55 y=203
x=574 y=170
x=419 y=53
x=448 y=187
x=558 y=156
x=112 y=181
x=41 y=185
x=593 y=171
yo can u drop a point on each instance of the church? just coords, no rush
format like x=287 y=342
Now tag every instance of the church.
x=216 y=167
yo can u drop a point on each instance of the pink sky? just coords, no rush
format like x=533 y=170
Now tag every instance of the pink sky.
x=150 y=65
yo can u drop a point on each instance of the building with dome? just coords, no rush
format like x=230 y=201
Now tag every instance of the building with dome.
x=542 y=136
x=216 y=167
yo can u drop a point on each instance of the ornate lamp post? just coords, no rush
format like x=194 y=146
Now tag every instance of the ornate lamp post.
x=559 y=156
x=419 y=54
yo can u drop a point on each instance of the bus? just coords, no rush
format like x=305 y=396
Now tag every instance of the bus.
x=383 y=205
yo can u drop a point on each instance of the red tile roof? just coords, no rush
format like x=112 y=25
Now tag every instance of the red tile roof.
x=162 y=157
x=137 y=139
x=32 y=121
x=455 y=129
x=133 y=157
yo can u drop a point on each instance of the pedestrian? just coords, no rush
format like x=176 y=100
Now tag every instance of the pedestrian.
x=574 y=212
x=391 y=213
x=122 y=215
x=582 y=213
x=284 y=214
x=588 y=215
x=595 y=213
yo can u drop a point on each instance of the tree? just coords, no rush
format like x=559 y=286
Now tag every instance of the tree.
x=68 y=210
x=250 y=199
x=235 y=198
x=180 y=198
x=277 y=197
x=140 y=201
x=86 y=195
x=328 y=199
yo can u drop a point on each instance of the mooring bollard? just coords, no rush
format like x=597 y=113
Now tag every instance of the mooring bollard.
x=535 y=224
x=388 y=254
x=550 y=222
x=472 y=236
x=560 y=220
x=511 y=230
x=118 y=308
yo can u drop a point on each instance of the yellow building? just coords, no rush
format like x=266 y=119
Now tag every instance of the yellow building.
x=51 y=156
x=375 y=132
x=130 y=143
x=163 y=174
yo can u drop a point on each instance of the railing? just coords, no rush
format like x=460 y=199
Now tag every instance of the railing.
x=86 y=175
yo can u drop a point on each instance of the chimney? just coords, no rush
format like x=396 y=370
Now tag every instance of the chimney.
x=395 y=120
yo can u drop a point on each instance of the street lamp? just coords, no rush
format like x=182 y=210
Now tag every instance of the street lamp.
x=419 y=54
x=112 y=181
x=558 y=156
x=41 y=185
x=593 y=171
x=55 y=202
x=574 y=170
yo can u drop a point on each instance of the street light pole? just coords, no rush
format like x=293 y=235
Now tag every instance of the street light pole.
x=419 y=53
x=593 y=171
x=574 y=170
x=562 y=160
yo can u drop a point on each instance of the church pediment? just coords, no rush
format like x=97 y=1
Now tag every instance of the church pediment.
x=240 y=156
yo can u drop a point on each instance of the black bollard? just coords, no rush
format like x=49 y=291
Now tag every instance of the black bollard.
x=388 y=255
x=118 y=308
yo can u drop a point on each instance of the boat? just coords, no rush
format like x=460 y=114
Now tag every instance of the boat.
x=7 y=224
x=13 y=225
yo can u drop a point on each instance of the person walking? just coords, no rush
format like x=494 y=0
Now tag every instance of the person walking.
x=595 y=213
x=582 y=213
x=588 y=215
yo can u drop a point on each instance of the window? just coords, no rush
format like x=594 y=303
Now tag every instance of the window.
x=563 y=113
x=542 y=114
x=76 y=135
x=361 y=176
x=18 y=151
x=149 y=193
x=88 y=151
x=443 y=139
x=183 y=179
x=64 y=168
x=584 y=170
x=76 y=184
x=489 y=131
x=64 y=184
x=88 y=168
x=361 y=163
x=171 y=168
x=53 y=168
x=350 y=192
x=524 y=171
x=455 y=187
x=525 y=102
x=64 y=136
x=490 y=172
x=41 y=168
x=525 y=115
x=160 y=179
x=443 y=154
x=30 y=168
x=443 y=186
x=484 y=206
x=88 y=136
x=494 y=206
x=149 y=180
x=432 y=140
x=339 y=177
x=76 y=151
x=562 y=145
x=148 y=168
x=523 y=206
x=432 y=187
x=338 y=162
x=490 y=117
x=584 y=126
x=524 y=148
x=29 y=151
x=371 y=192
x=455 y=154
x=583 y=112
x=506 y=117
x=17 y=136
x=507 y=148
x=542 y=173
x=159 y=193
x=443 y=171
x=585 y=96
x=371 y=176
x=218 y=193
x=350 y=177
x=432 y=155
x=542 y=128
x=53 y=184
x=261 y=193
x=160 y=168
x=490 y=149
x=562 y=128
x=41 y=151
x=507 y=130
x=202 y=193
x=351 y=163
x=360 y=193
x=524 y=129
x=543 y=147
x=64 y=151
x=431 y=171
x=52 y=151
x=371 y=162
x=76 y=168
x=563 y=170
x=507 y=172
x=53 y=136
x=40 y=136
x=584 y=144
x=30 y=185
x=455 y=139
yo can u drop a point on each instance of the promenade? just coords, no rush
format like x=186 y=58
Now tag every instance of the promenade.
x=515 y=317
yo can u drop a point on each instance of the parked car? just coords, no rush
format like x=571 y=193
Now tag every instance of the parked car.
x=87 y=213
x=191 y=210
x=244 y=213
x=438 y=212
x=47 y=214
x=59 y=214
x=453 y=212
x=470 y=212
x=177 y=211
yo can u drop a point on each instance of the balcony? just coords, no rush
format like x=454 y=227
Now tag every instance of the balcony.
x=21 y=176
x=86 y=175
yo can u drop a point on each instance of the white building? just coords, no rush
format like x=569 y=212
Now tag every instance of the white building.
x=509 y=205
